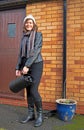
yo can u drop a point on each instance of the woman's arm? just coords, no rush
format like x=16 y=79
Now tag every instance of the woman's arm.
x=19 y=60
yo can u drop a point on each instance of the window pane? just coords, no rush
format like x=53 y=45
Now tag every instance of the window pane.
x=11 y=29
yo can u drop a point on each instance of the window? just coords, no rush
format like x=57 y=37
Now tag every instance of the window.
x=11 y=29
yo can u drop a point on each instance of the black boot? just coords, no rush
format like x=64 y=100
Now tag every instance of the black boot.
x=30 y=116
x=39 y=119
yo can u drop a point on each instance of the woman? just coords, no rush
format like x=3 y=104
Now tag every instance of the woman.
x=30 y=61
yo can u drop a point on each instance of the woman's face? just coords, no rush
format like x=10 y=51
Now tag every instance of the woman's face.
x=29 y=25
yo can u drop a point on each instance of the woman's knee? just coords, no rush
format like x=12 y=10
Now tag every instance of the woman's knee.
x=35 y=94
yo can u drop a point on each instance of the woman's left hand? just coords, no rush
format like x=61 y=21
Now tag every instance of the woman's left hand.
x=25 y=70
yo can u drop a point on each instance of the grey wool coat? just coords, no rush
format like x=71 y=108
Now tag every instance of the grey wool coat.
x=36 y=57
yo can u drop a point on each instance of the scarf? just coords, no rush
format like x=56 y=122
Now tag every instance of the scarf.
x=27 y=44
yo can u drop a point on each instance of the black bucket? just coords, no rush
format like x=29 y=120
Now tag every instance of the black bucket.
x=20 y=83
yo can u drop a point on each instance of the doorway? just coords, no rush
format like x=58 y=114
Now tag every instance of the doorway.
x=11 y=22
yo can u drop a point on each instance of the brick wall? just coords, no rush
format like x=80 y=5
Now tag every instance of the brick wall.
x=75 y=52
x=49 y=18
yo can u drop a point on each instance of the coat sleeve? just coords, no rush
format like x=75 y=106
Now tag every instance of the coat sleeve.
x=36 y=51
x=19 y=60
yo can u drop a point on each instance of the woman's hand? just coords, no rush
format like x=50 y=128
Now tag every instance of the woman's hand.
x=18 y=73
x=25 y=70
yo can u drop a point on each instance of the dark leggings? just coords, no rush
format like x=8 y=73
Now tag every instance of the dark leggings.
x=32 y=91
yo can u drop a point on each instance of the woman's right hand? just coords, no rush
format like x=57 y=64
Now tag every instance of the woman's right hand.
x=18 y=73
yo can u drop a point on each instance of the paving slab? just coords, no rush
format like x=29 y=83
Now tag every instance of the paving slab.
x=11 y=115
